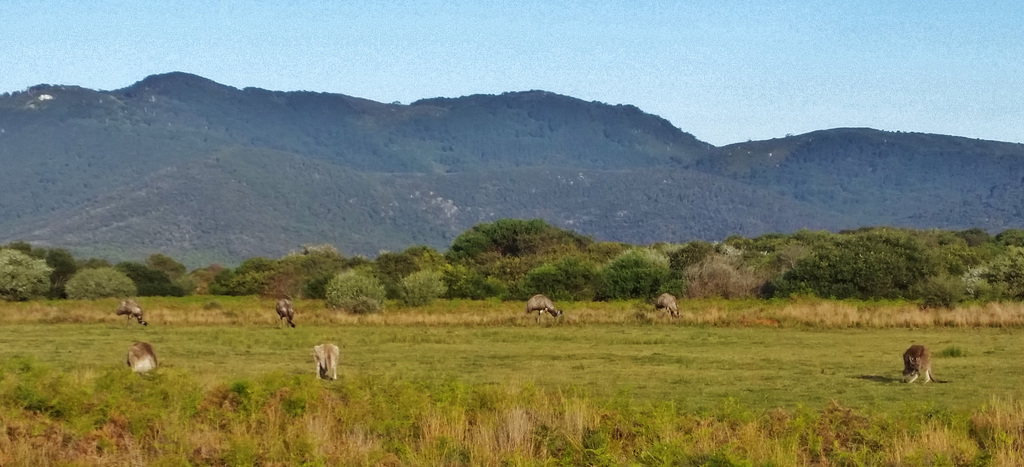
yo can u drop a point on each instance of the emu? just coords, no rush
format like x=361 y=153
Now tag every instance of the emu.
x=667 y=301
x=131 y=308
x=285 y=311
x=541 y=305
x=917 y=360
x=141 y=357
x=326 y=358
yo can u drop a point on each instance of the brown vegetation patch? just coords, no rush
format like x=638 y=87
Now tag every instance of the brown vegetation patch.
x=759 y=321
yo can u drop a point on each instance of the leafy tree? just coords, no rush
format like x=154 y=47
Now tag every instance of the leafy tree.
x=21 y=276
x=1006 y=272
x=392 y=268
x=464 y=282
x=514 y=237
x=149 y=282
x=1011 y=237
x=941 y=291
x=637 y=273
x=203 y=277
x=94 y=263
x=166 y=265
x=220 y=284
x=975 y=236
x=252 y=277
x=64 y=266
x=355 y=291
x=305 y=273
x=868 y=265
x=422 y=287
x=24 y=247
x=507 y=249
x=688 y=254
x=93 y=283
x=570 y=278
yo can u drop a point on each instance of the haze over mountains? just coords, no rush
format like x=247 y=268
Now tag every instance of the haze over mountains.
x=206 y=173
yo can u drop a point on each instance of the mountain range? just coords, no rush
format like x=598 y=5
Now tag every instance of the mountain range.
x=208 y=173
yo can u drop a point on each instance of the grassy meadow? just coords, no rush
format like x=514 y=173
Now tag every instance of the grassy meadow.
x=803 y=382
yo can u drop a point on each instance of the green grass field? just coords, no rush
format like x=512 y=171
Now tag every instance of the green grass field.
x=470 y=383
x=694 y=367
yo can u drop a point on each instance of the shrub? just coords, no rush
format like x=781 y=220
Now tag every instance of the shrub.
x=1006 y=272
x=637 y=273
x=943 y=291
x=689 y=254
x=722 y=276
x=867 y=265
x=464 y=282
x=150 y=282
x=64 y=267
x=358 y=292
x=99 y=283
x=570 y=278
x=422 y=287
x=167 y=265
x=21 y=276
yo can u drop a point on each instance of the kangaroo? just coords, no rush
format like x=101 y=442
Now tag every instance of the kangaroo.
x=141 y=357
x=326 y=357
x=917 y=360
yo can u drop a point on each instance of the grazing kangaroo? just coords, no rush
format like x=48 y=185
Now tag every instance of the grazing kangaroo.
x=541 y=305
x=326 y=357
x=131 y=308
x=141 y=357
x=917 y=360
x=667 y=301
x=285 y=311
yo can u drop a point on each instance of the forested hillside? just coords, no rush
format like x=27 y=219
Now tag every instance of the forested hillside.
x=205 y=172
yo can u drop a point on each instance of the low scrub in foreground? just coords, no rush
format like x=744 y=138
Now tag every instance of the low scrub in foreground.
x=113 y=417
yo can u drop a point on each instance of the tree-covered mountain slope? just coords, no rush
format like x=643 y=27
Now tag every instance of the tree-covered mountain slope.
x=180 y=164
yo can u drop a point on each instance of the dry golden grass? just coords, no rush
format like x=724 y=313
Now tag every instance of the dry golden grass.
x=252 y=311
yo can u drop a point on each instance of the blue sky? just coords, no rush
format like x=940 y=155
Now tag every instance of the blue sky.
x=725 y=71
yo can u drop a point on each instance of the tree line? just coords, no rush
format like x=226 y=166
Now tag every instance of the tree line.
x=511 y=259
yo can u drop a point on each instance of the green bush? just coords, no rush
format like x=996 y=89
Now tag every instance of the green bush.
x=422 y=287
x=21 y=276
x=150 y=282
x=1006 y=272
x=689 y=254
x=942 y=291
x=637 y=273
x=570 y=278
x=464 y=282
x=100 y=283
x=358 y=292
x=865 y=265
x=64 y=266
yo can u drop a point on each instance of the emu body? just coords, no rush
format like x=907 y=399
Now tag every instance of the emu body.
x=667 y=301
x=131 y=309
x=285 y=311
x=541 y=305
